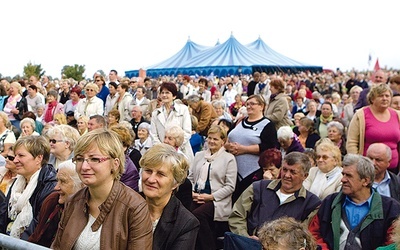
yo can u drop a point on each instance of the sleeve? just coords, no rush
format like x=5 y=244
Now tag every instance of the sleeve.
x=353 y=134
x=100 y=107
x=186 y=124
x=140 y=228
x=241 y=209
x=204 y=118
x=153 y=128
x=187 y=235
x=78 y=110
x=269 y=137
x=279 y=111
x=230 y=180
x=314 y=230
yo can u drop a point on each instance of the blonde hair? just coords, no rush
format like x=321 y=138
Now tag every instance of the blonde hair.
x=62 y=119
x=67 y=133
x=330 y=147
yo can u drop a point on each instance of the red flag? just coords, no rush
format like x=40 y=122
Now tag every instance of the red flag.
x=376 y=67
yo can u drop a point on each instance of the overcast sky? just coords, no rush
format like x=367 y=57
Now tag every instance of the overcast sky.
x=128 y=35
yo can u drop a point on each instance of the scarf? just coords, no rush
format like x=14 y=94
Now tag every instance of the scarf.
x=201 y=181
x=48 y=116
x=326 y=120
x=272 y=97
x=261 y=86
x=19 y=208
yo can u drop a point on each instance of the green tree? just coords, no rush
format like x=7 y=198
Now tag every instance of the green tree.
x=75 y=72
x=33 y=70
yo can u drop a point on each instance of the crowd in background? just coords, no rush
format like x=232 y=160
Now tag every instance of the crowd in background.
x=199 y=151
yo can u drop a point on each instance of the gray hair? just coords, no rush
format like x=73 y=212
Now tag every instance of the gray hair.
x=298 y=158
x=337 y=125
x=218 y=104
x=144 y=125
x=388 y=151
x=30 y=121
x=71 y=168
x=193 y=98
x=285 y=133
x=67 y=133
x=365 y=166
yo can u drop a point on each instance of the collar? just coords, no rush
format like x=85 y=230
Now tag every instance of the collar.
x=386 y=178
x=275 y=185
x=367 y=202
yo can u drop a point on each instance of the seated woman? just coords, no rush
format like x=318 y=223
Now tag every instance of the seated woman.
x=60 y=118
x=113 y=118
x=68 y=183
x=28 y=127
x=105 y=210
x=82 y=124
x=213 y=177
x=130 y=177
x=35 y=181
x=144 y=142
x=164 y=169
x=8 y=173
x=270 y=161
x=52 y=107
x=62 y=140
x=337 y=135
x=288 y=141
x=326 y=178
x=196 y=140
x=308 y=136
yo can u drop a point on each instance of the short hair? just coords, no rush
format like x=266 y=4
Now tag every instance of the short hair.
x=279 y=84
x=365 y=167
x=33 y=87
x=76 y=90
x=115 y=113
x=171 y=87
x=330 y=147
x=124 y=86
x=308 y=123
x=193 y=98
x=176 y=132
x=107 y=142
x=298 y=158
x=378 y=90
x=4 y=117
x=299 y=115
x=327 y=103
x=260 y=100
x=310 y=152
x=337 y=125
x=217 y=129
x=388 y=150
x=356 y=87
x=99 y=119
x=142 y=88
x=114 y=84
x=70 y=167
x=286 y=232
x=123 y=134
x=129 y=126
x=67 y=133
x=163 y=154
x=30 y=121
x=61 y=117
x=218 y=104
x=285 y=133
x=271 y=155
x=53 y=93
x=204 y=80
x=144 y=125
x=93 y=86
x=35 y=145
x=113 y=70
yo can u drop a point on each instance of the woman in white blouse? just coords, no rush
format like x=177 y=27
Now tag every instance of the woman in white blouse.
x=91 y=105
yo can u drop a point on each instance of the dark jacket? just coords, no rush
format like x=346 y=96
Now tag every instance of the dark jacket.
x=176 y=229
x=295 y=146
x=131 y=175
x=394 y=186
x=22 y=106
x=46 y=183
x=375 y=228
x=312 y=140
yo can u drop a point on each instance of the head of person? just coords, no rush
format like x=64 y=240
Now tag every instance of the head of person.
x=226 y=124
x=112 y=87
x=96 y=121
x=194 y=121
x=113 y=75
x=124 y=135
x=355 y=93
x=328 y=156
x=358 y=175
x=113 y=116
x=100 y=81
x=31 y=153
x=312 y=106
x=381 y=155
x=140 y=92
x=216 y=138
x=335 y=131
x=163 y=170
x=122 y=88
x=256 y=76
x=297 y=116
x=255 y=105
x=380 y=96
x=396 y=101
x=3 y=119
x=60 y=118
x=82 y=123
x=326 y=109
x=40 y=110
x=286 y=233
x=15 y=89
x=52 y=96
x=143 y=131
x=91 y=90
x=174 y=136
x=75 y=93
x=62 y=139
x=277 y=86
x=285 y=137
x=99 y=157
x=68 y=182
x=193 y=101
x=168 y=92
x=32 y=90
x=306 y=125
x=312 y=155
x=10 y=165
x=219 y=107
x=395 y=83
x=294 y=171
x=379 y=77
x=27 y=126
x=271 y=160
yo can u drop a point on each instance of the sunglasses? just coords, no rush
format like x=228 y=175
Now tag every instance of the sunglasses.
x=92 y=90
x=54 y=141
x=10 y=157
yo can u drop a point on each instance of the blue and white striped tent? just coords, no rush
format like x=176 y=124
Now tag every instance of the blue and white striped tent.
x=228 y=58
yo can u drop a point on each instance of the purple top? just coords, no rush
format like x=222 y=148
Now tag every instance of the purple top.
x=131 y=175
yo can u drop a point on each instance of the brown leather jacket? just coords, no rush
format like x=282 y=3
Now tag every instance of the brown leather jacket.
x=124 y=218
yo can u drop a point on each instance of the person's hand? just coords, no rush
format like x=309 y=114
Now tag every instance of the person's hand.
x=254 y=237
x=268 y=175
x=203 y=198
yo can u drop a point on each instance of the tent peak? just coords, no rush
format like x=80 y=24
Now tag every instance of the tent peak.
x=188 y=38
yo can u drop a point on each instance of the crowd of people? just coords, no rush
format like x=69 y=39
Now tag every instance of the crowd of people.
x=299 y=161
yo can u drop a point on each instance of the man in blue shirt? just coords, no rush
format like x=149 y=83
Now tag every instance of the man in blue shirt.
x=357 y=217
x=386 y=183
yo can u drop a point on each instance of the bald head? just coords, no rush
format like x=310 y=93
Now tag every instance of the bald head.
x=380 y=154
x=379 y=77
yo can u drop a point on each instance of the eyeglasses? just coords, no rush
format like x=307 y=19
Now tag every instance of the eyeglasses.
x=324 y=157
x=10 y=157
x=98 y=80
x=251 y=103
x=92 y=90
x=54 y=141
x=90 y=160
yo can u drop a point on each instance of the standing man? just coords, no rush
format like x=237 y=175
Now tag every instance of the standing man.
x=379 y=77
x=386 y=182
x=113 y=76
x=357 y=217
x=137 y=119
x=263 y=87
x=252 y=84
x=96 y=121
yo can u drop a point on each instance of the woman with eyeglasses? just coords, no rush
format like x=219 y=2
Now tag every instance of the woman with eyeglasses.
x=36 y=179
x=326 y=178
x=8 y=174
x=254 y=134
x=7 y=136
x=105 y=214
x=62 y=139
x=103 y=90
x=91 y=105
